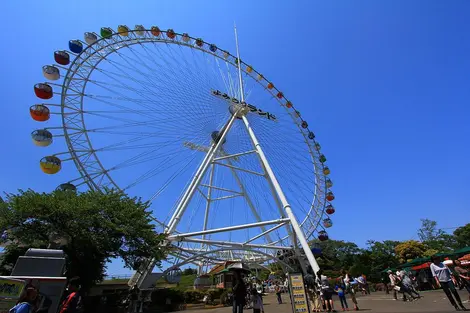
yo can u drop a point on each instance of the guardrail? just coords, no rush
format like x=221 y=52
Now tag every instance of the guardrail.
x=113 y=277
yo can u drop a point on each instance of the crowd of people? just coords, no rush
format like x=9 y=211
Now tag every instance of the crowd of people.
x=320 y=289
x=443 y=277
x=248 y=292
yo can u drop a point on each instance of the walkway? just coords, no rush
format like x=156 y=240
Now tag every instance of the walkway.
x=433 y=301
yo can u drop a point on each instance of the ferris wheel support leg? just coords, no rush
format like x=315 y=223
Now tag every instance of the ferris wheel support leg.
x=198 y=177
x=206 y=213
x=277 y=187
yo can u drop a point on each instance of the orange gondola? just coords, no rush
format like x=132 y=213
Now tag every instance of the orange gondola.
x=39 y=112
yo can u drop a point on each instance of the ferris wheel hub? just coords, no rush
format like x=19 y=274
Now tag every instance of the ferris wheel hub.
x=216 y=135
x=238 y=109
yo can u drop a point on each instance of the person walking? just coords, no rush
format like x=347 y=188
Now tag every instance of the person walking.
x=340 y=290
x=407 y=285
x=463 y=275
x=73 y=302
x=277 y=289
x=394 y=283
x=443 y=278
x=239 y=293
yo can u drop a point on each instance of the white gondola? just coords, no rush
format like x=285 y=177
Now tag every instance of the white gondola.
x=90 y=38
x=41 y=137
x=185 y=37
x=51 y=72
x=139 y=30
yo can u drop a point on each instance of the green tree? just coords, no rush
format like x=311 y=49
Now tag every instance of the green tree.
x=91 y=228
x=462 y=236
x=430 y=252
x=409 y=250
x=435 y=238
x=382 y=255
x=189 y=271
x=336 y=255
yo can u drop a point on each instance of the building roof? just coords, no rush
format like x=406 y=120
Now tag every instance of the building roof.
x=220 y=267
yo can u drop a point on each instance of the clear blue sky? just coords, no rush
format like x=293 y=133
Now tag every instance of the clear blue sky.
x=384 y=85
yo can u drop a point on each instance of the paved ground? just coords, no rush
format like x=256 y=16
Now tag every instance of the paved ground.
x=433 y=301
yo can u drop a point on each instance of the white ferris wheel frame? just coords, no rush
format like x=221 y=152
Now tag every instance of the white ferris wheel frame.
x=97 y=177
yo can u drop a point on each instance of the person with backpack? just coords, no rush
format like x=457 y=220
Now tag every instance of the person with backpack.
x=73 y=302
x=27 y=303
x=341 y=291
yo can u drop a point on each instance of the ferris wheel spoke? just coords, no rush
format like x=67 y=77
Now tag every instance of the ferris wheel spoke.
x=133 y=160
x=157 y=170
x=127 y=109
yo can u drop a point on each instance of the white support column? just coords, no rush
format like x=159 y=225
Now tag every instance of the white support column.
x=295 y=225
x=206 y=213
x=198 y=177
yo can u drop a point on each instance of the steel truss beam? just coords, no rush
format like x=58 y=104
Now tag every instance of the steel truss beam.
x=235 y=244
x=268 y=256
x=225 y=229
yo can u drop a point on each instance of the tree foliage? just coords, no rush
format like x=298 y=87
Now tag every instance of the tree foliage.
x=462 y=236
x=189 y=271
x=91 y=227
x=336 y=255
x=409 y=250
x=435 y=238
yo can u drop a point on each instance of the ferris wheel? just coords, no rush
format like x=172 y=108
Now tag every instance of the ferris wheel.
x=231 y=168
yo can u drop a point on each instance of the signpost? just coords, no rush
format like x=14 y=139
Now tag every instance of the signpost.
x=297 y=293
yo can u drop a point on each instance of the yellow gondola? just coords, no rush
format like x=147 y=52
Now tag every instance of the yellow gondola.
x=50 y=164
x=123 y=30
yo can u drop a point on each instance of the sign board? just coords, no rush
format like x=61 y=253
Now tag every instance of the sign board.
x=11 y=288
x=297 y=292
x=10 y=292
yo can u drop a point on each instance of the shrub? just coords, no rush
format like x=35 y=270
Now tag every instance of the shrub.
x=193 y=296
x=159 y=296
x=215 y=293
x=224 y=298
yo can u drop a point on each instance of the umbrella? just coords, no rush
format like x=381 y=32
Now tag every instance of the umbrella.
x=422 y=266
x=463 y=250
x=465 y=257
x=239 y=266
x=444 y=254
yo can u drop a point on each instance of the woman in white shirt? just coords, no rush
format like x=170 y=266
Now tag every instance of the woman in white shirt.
x=442 y=275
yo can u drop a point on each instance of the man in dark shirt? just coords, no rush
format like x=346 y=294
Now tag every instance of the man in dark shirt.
x=239 y=292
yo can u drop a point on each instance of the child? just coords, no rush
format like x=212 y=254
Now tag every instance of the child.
x=257 y=302
x=342 y=297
